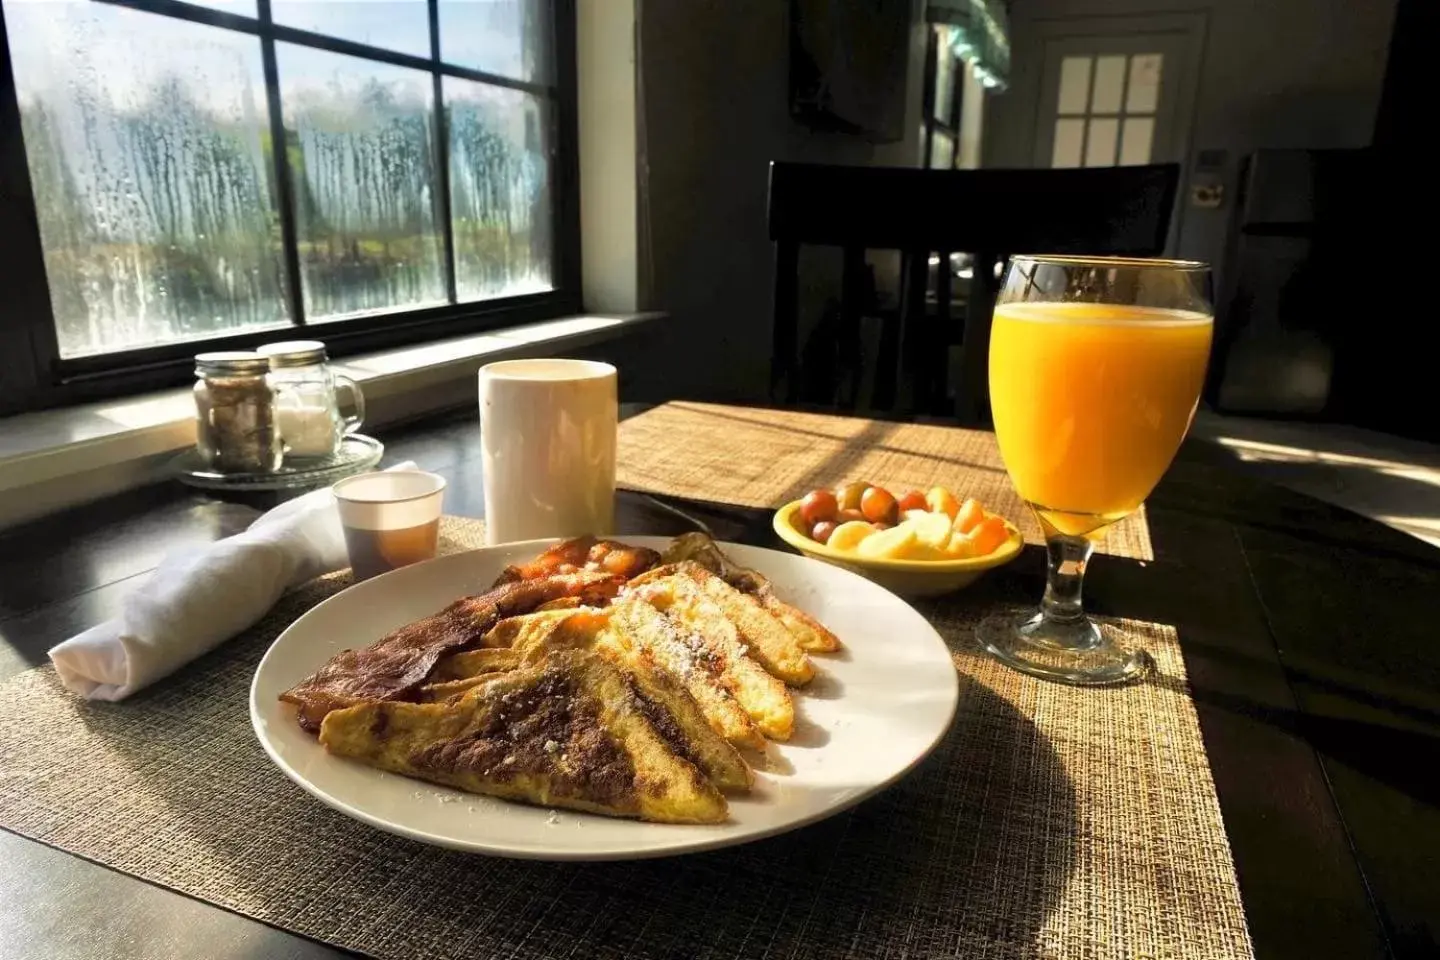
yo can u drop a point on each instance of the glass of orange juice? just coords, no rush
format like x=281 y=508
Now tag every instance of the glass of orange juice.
x=1096 y=366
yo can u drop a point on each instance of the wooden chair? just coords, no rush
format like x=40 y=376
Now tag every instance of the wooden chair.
x=1109 y=211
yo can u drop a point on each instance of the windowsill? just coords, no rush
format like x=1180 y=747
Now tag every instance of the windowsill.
x=58 y=458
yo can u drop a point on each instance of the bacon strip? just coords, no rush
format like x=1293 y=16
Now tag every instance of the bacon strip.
x=395 y=666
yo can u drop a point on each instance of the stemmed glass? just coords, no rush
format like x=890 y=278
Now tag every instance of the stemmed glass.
x=1096 y=366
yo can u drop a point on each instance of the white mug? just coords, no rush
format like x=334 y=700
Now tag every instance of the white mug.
x=547 y=432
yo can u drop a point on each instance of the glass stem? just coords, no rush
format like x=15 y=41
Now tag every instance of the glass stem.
x=1065 y=577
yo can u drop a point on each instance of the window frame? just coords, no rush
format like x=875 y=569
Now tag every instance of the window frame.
x=33 y=375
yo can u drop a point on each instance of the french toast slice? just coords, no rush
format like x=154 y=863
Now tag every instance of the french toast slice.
x=446 y=690
x=811 y=634
x=396 y=665
x=766 y=638
x=512 y=630
x=469 y=664
x=701 y=666
x=669 y=705
x=693 y=633
x=568 y=731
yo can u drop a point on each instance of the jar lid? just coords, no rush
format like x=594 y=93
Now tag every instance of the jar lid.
x=293 y=353
x=232 y=362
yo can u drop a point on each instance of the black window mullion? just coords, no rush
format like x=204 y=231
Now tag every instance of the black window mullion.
x=442 y=156
x=562 y=114
x=284 y=189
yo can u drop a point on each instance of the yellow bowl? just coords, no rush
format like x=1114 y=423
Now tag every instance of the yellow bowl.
x=908 y=578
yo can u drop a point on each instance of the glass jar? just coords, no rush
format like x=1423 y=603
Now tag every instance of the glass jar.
x=235 y=429
x=307 y=409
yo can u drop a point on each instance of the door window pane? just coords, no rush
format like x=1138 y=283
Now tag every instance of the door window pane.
x=1069 y=135
x=1109 y=78
x=1074 y=84
x=1135 y=138
x=402 y=25
x=146 y=143
x=359 y=138
x=506 y=37
x=1144 y=91
x=1100 y=144
x=499 y=190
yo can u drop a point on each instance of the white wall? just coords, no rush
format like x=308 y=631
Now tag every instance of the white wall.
x=715 y=112
x=605 y=55
x=1277 y=73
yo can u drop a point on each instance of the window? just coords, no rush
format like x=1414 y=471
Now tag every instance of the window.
x=208 y=173
x=940 y=102
x=954 y=104
x=1106 y=110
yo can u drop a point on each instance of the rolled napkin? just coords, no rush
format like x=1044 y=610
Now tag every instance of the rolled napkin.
x=196 y=600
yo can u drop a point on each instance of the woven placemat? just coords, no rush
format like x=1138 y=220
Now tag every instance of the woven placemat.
x=1050 y=822
x=764 y=458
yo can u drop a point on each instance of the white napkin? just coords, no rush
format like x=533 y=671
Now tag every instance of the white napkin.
x=196 y=600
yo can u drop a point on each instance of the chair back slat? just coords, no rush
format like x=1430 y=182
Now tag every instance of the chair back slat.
x=1101 y=211
x=784 y=361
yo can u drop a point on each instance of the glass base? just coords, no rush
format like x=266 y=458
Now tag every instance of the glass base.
x=1076 y=651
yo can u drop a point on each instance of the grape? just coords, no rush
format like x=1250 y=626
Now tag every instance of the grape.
x=818 y=507
x=914 y=500
x=879 y=505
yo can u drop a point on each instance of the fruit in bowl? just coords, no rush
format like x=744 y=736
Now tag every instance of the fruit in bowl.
x=920 y=544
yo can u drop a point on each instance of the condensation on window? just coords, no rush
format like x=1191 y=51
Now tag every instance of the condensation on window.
x=146 y=140
x=499 y=190
x=400 y=25
x=506 y=37
x=149 y=145
x=359 y=136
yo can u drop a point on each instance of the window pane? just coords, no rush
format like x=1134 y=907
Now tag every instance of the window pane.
x=1144 y=92
x=146 y=142
x=1074 y=84
x=942 y=150
x=1069 y=134
x=358 y=134
x=499 y=190
x=1109 y=78
x=944 y=83
x=1100 y=144
x=972 y=122
x=507 y=37
x=1135 y=138
x=402 y=25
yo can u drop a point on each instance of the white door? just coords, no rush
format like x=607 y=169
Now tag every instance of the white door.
x=1110 y=101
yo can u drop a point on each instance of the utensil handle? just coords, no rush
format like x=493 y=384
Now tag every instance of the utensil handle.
x=350 y=424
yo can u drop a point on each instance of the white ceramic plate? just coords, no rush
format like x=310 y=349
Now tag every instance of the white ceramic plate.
x=872 y=712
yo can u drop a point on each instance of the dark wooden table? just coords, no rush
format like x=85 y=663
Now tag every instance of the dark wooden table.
x=1310 y=636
